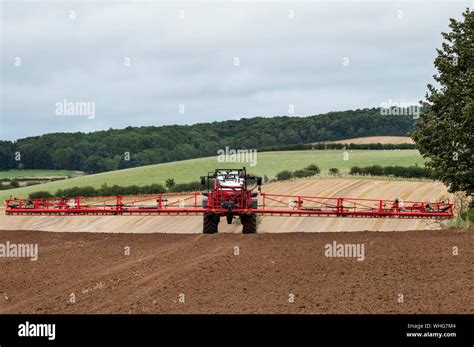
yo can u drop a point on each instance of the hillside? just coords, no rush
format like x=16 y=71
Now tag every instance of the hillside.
x=133 y=147
x=268 y=163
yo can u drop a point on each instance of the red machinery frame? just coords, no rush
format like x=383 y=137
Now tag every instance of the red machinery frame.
x=191 y=204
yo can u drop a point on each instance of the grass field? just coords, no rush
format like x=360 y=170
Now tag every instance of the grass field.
x=268 y=163
x=37 y=173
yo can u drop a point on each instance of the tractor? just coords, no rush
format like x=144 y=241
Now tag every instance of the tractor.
x=230 y=193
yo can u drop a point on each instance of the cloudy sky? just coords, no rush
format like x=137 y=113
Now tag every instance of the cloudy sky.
x=157 y=63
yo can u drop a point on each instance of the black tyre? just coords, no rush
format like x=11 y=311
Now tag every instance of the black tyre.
x=249 y=222
x=210 y=222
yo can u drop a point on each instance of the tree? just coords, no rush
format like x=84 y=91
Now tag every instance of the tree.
x=94 y=164
x=284 y=175
x=170 y=183
x=313 y=168
x=63 y=158
x=444 y=132
x=266 y=179
x=303 y=173
x=7 y=155
x=40 y=194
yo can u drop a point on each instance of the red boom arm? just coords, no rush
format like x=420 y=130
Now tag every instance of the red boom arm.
x=268 y=204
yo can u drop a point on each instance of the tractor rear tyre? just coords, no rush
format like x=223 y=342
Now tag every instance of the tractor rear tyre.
x=249 y=222
x=210 y=222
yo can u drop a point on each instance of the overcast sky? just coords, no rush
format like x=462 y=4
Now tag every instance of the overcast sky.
x=157 y=63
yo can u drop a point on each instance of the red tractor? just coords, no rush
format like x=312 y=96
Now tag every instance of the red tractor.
x=230 y=193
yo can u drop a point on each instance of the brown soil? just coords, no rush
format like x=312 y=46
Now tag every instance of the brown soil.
x=418 y=264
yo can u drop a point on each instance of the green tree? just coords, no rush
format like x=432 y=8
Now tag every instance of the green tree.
x=170 y=183
x=40 y=194
x=313 y=168
x=303 y=173
x=94 y=164
x=63 y=158
x=444 y=132
x=284 y=175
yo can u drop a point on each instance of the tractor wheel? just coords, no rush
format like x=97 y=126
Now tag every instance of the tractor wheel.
x=210 y=221
x=249 y=222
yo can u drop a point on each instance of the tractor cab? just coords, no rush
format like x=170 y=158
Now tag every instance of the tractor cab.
x=229 y=180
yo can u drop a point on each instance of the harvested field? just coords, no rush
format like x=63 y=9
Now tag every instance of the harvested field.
x=337 y=187
x=396 y=140
x=418 y=264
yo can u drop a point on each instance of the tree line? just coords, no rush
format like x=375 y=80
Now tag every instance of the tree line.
x=137 y=146
x=373 y=170
x=115 y=190
x=396 y=171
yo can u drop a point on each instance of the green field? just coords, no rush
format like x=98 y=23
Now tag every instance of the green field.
x=268 y=163
x=38 y=173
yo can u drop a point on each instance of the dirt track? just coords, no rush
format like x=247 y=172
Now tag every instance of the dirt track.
x=417 y=264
